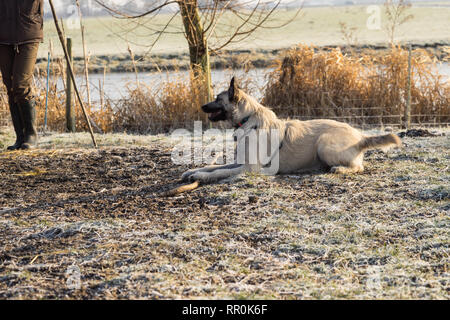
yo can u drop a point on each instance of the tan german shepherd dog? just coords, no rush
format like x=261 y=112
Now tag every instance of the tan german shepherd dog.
x=304 y=145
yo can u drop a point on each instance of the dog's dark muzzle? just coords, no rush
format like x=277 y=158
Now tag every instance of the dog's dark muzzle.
x=215 y=110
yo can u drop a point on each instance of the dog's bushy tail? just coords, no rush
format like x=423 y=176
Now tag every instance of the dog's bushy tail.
x=379 y=142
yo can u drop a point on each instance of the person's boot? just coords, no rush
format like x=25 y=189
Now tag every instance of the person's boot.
x=17 y=121
x=29 y=121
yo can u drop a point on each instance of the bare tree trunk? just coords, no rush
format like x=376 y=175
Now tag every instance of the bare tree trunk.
x=198 y=46
x=210 y=12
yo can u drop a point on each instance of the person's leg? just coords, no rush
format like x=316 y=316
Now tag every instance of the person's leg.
x=6 y=68
x=24 y=62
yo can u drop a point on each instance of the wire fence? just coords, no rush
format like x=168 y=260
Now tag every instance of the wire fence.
x=354 y=111
x=367 y=117
x=363 y=118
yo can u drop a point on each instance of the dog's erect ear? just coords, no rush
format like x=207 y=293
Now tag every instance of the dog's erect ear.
x=233 y=90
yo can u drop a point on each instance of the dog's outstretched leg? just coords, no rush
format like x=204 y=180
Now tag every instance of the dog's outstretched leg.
x=218 y=174
x=186 y=175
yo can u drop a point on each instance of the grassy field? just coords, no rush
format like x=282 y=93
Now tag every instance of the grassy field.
x=382 y=234
x=318 y=26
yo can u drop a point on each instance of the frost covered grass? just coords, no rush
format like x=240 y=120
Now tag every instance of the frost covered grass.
x=383 y=234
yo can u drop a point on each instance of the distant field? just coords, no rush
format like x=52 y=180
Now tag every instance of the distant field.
x=319 y=26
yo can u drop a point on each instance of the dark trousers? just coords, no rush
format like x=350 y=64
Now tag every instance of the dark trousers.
x=17 y=64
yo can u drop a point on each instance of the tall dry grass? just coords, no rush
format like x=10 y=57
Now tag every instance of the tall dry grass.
x=368 y=89
x=161 y=108
x=146 y=110
x=100 y=114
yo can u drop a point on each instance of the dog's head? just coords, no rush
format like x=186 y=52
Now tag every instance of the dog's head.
x=226 y=104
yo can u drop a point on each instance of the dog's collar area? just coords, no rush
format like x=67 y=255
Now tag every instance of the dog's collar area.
x=242 y=122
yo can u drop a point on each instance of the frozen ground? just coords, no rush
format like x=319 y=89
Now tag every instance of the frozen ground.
x=76 y=222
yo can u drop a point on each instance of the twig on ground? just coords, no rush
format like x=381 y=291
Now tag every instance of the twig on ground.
x=181 y=189
x=187 y=187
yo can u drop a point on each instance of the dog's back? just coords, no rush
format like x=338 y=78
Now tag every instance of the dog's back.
x=307 y=144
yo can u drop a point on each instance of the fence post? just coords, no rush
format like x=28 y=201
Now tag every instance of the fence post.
x=46 y=91
x=407 y=123
x=70 y=110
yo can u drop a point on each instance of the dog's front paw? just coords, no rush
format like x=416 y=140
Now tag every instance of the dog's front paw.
x=200 y=176
x=186 y=175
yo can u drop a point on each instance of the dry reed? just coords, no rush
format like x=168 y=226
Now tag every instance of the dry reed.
x=153 y=110
x=368 y=89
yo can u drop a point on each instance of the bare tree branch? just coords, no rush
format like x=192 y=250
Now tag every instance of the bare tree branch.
x=252 y=17
x=203 y=20
x=247 y=33
x=126 y=16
